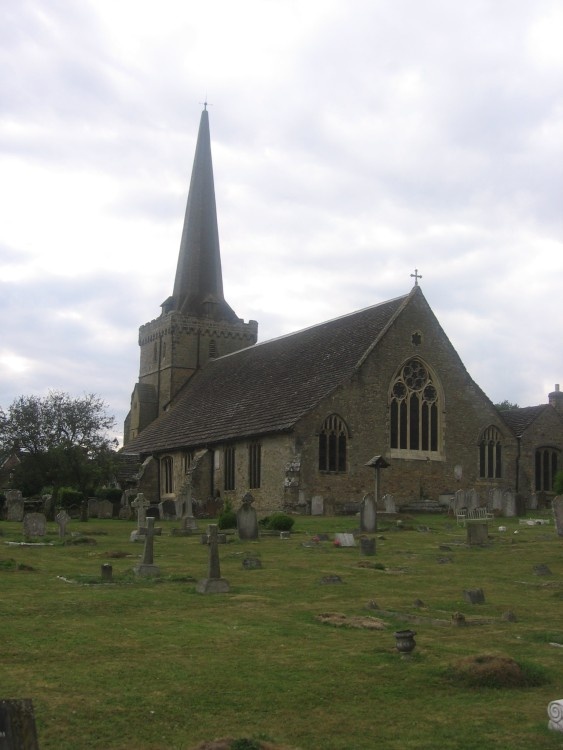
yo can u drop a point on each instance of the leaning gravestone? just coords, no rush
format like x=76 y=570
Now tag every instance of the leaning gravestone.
x=14 y=505
x=368 y=514
x=17 y=725
x=247 y=521
x=213 y=584
x=344 y=540
x=34 y=524
x=557 y=506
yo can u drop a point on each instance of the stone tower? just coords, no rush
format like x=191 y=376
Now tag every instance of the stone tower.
x=196 y=322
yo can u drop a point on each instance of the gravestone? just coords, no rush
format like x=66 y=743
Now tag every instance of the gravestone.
x=557 y=506
x=14 y=505
x=140 y=505
x=34 y=524
x=17 y=725
x=474 y=596
x=344 y=540
x=509 y=504
x=93 y=507
x=317 y=505
x=368 y=514
x=147 y=567
x=472 y=499
x=533 y=501
x=62 y=518
x=106 y=573
x=555 y=713
x=477 y=533
x=213 y=584
x=458 y=502
x=389 y=504
x=105 y=509
x=247 y=521
x=367 y=546
x=495 y=499
x=251 y=562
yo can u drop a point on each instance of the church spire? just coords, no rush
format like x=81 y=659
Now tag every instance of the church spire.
x=198 y=286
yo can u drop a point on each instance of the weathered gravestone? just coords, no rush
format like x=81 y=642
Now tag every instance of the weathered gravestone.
x=140 y=504
x=368 y=514
x=34 y=524
x=558 y=514
x=477 y=533
x=105 y=509
x=213 y=584
x=508 y=504
x=474 y=596
x=367 y=546
x=555 y=713
x=247 y=521
x=62 y=518
x=17 y=725
x=93 y=507
x=317 y=505
x=147 y=567
x=14 y=505
x=389 y=504
x=167 y=509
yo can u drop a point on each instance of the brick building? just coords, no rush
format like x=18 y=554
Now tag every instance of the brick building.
x=297 y=418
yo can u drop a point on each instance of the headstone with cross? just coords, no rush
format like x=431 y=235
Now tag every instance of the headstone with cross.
x=147 y=567
x=62 y=518
x=213 y=584
x=140 y=504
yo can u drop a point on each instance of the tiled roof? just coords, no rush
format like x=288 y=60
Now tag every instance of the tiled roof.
x=267 y=387
x=520 y=419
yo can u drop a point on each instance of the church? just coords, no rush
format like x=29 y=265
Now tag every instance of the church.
x=297 y=421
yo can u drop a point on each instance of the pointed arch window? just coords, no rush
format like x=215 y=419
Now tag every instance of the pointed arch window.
x=333 y=445
x=414 y=410
x=490 y=454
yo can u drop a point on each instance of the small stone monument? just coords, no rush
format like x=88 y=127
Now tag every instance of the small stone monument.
x=557 y=506
x=140 y=504
x=106 y=573
x=555 y=713
x=62 y=518
x=367 y=546
x=344 y=540
x=368 y=514
x=146 y=567
x=17 y=725
x=389 y=504
x=247 y=521
x=105 y=509
x=477 y=533
x=34 y=524
x=213 y=584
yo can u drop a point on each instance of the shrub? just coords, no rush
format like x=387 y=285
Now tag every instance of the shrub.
x=492 y=671
x=558 y=483
x=227 y=518
x=278 y=522
x=68 y=497
x=113 y=494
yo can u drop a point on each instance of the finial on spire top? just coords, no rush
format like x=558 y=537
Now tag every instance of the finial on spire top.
x=416 y=276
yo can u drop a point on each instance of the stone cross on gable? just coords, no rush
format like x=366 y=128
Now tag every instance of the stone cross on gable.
x=146 y=567
x=416 y=276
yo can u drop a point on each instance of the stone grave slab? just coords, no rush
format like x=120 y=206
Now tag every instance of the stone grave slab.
x=344 y=540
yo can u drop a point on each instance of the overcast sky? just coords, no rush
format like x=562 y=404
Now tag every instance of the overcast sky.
x=353 y=141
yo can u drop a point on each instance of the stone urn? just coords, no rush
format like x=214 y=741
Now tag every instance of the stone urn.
x=405 y=642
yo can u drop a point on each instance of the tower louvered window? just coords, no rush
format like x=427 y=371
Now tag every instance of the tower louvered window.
x=414 y=409
x=333 y=440
x=490 y=454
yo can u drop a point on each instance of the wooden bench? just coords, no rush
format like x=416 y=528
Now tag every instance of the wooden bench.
x=476 y=514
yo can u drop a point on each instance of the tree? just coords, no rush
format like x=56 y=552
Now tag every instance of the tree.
x=61 y=441
x=506 y=405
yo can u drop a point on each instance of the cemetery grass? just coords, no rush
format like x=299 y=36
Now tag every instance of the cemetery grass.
x=149 y=664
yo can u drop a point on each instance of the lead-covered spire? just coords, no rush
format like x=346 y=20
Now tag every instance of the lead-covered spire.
x=198 y=286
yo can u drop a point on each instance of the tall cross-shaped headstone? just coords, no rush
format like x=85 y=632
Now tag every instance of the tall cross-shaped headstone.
x=140 y=504
x=416 y=276
x=62 y=518
x=146 y=567
x=213 y=584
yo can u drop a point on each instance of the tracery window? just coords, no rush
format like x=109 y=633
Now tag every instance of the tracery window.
x=547 y=462
x=490 y=454
x=333 y=440
x=414 y=412
x=167 y=475
x=254 y=464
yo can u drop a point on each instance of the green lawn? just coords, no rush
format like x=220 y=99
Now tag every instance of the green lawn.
x=142 y=664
